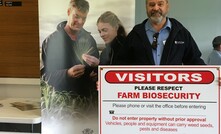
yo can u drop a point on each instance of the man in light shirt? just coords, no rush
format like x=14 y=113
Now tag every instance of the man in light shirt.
x=160 y=40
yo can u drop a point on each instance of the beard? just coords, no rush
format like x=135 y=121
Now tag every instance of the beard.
x=156 y=20
x=157 y=16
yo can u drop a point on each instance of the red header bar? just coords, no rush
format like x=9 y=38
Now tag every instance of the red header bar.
x=160 y=77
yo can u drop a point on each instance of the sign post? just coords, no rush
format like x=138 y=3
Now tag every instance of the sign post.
x=141 y=99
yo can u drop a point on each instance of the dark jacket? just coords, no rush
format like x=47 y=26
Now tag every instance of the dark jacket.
x=180 y=47
x=110 y=53
x=59 y=53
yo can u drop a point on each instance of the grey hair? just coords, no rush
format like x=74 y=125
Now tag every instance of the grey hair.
x=166 y=1
x=82 y=5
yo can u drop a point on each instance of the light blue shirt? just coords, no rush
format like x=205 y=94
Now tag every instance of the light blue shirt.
x=214 y=58
x=163 y=35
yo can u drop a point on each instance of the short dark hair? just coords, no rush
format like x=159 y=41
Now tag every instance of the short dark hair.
x=82 y=5
x=216 y=41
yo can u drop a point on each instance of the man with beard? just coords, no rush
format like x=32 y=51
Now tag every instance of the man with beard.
x=160 y=40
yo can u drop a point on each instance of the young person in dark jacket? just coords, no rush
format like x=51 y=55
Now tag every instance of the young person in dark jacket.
x=113 y=33
x=70 y=54
x=160 y=40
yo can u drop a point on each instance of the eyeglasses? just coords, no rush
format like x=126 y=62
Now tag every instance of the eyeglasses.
x=154 y=44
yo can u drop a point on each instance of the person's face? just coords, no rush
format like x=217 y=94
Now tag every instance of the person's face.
x=157 y=10
x=219 y=48
x=76 y=19
x=107 y=32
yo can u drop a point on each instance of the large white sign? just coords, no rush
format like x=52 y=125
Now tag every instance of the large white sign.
x=159 y=99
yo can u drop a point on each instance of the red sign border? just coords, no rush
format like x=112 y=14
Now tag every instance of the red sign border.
x=159 y=67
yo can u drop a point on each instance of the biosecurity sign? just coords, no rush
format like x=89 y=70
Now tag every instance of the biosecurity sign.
x=156 y=100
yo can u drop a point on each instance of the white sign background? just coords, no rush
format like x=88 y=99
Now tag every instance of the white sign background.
x=124 y=109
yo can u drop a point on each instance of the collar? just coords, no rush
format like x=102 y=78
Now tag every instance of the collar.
x=148 y=26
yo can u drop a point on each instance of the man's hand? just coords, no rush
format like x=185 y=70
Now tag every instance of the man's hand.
x=94 y=76
x=76 y=71
x=91 y=60
x=98 y=85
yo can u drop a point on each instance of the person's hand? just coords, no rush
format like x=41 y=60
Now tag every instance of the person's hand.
x=94 y=76
x=90 y=60
x=98 y=85
x=76 y=71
